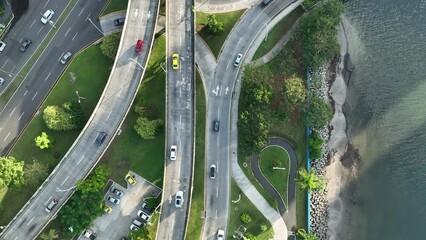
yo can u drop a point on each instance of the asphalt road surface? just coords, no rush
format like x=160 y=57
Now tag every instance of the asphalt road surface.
x=108 y=116
x=180 y=119
x=75 y=33
x=220 y=93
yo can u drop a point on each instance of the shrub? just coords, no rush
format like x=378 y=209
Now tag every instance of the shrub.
x=245 y=218
x=263 y=227
x=250 y=236
x=315 y=143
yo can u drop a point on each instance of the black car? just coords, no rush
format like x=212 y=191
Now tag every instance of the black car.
x=212 y=171
x=119 y=21
x=216 y=125
x=25 y=44
x=101 y=137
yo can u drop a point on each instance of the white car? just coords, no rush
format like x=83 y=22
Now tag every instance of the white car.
x=220 y=234
x=238 y=60
x=173 y=152
x=113 y=200
x=143 y=215
x=179 y=199
x=66 y=57
x=47 y=16
x=1 y=81
x=2 y=46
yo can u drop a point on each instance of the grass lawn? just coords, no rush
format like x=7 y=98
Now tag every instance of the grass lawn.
x=129 y=150
x=215 y=42
x=114 y=6
x=195 y=223
x=276 y=156
x=91 y=70
x=245 y=206
x=277 y=32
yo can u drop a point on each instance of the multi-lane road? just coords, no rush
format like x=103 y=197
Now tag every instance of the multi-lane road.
x=109 y=114
x=75 y=33
x=180 y=119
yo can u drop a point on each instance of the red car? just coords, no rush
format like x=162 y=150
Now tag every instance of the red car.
x=138 y=48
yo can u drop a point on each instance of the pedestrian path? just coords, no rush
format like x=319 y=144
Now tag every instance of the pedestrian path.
x=220 y=6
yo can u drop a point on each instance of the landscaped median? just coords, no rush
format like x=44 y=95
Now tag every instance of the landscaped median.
x=87 y=74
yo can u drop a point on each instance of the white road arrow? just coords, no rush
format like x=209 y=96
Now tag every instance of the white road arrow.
x=226 y=90
x=149 y=14
x=136 y=12
x=216 y=91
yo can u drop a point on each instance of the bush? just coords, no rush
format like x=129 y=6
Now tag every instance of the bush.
x=110 y=45
x=250 y=236
x=2 y=10
x=245 y=218
x=214 y=27
x=69 y=116
x=319 y=113
x=315 y=144
x=148 y=129
x=263 y=227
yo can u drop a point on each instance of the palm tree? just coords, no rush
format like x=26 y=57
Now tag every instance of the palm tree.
x=309 y=180
x=302 y=234
x=51 y=235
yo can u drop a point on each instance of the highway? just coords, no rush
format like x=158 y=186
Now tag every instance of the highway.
x=75 y=33
x=220 y=92
x=179 y=120
x=109 y=114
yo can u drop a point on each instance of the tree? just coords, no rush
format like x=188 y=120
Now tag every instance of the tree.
x=301 y=233
x=43 y=141
x=309 y=180
x=35 y=173
x=148 y=129
x=214 y=27
x=294 y=92
x=139 y=109
x=76 y=111
x=319 y=113
x=318 y=33
x=11 y=172
x=96 y=181
x=69 y=116
x=110 y=45
x=51 y=235
x=315 y=142
x=245 y=218
x=249 y=236
x=141 y=234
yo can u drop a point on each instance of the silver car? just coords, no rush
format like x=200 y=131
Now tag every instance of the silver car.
x=66 y=57
x=179 y=199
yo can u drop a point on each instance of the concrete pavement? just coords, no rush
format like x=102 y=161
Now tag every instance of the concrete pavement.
x=219 y=6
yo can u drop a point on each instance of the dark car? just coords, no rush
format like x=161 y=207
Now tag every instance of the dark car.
x=212 y=171
x=101 y=137
x=216 y=125
x=119 y=21
x=266 y=2
x=25 y=44
x=117 y=192
x=138 y=48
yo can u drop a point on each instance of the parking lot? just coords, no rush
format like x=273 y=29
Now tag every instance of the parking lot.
x=116 y=224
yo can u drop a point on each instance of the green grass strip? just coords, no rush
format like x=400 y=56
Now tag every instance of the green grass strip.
x=7 y=94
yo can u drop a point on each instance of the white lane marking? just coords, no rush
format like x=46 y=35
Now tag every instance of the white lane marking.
x=74 y=36
x=22 y=114
x=46 y=3
x=47 y=76
x=5 y=63
x=141 y=17
x=34 y=96
x=59 y=59
x=32 y=23
x=6 y=137
x=67 y=32
x=80 y=159
x=220 y=91
x=217 y=195
x=180 y=40
x=180 y=119
x=80 y=12
x=12 y=112
x=40 y=30
x=30 y=221
x=48 y=200
x=170 y=199
x=64 y=180
x=1 y=129
x=109 y=115
x=88 y=16
x=25 y=93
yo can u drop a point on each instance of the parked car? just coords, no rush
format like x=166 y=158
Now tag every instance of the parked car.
x=51 y=205
x=66 y=57
x=143 y=215
x=179 y=199
x=25 y=44
x=138 y=48
x=175 y=61
x=101 y=138
x=212 y=171
x=89 y=234
x=216 y=125
x=238 y=60
x=2 y=46
x=220 y=234
x=1 y=81
x=117 y=192
x=47 y=16
x=173 y=152
x=107 y=208
x=119 y=21
x=133 y=227
x=137 y=223
x=147 y=208
x=113 y=200
x=130 y=179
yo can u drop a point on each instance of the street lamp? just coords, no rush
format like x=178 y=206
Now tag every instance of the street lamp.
x=51 y=23
x=8 y=73
x=90 y=20
x=79 y=97
x=140 y=65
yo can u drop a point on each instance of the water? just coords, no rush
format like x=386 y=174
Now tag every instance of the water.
x=386 y=116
